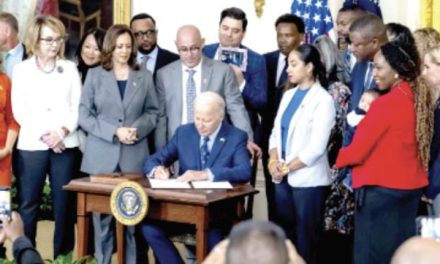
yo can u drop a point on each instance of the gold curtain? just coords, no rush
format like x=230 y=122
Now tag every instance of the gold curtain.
x=430 y=14
x=121 y=11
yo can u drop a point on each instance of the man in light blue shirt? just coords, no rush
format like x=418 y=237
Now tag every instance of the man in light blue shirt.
x=13 y=51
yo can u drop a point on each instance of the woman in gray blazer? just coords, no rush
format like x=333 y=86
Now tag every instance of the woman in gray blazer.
x=118 y=110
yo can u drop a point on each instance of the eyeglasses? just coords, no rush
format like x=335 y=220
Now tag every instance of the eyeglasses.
x=192 y=50
x=51 y=41
x=148 y=33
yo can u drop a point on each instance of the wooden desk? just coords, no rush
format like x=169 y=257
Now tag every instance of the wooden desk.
x=198 y=207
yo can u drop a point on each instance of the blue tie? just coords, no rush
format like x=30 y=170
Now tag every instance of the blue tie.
x=283 y=75
x=368 y=76
x=347 y=57
x=190 y=95
x=204 y=152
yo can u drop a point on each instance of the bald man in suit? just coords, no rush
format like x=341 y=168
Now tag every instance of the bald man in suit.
x=192 y=74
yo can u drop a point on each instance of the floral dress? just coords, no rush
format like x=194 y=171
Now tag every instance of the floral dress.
x=339 y=206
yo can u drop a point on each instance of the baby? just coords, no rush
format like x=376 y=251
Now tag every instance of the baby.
x=353 y=119
x=355 y=116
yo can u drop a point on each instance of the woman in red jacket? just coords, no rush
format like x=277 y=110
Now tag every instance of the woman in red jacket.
x=389 y=154
x=8 y=131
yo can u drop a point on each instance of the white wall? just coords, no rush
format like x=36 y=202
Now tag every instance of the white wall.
x=260 y=36
x=171 y=14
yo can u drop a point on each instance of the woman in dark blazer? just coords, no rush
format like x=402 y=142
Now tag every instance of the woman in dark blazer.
x=118 y=110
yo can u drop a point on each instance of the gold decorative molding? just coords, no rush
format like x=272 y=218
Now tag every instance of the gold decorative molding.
x=259 y=7
x=121 y=11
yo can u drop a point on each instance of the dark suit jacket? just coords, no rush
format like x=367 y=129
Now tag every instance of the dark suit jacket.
x=164 y=57
x=255 y=90
x=228 y=160
x=24 y=252
x=274 y=94
x=357 y=83
x=24 y=52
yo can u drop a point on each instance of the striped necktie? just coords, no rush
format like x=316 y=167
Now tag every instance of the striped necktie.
x=190 y=95
x=204 y=152
x=368 y=76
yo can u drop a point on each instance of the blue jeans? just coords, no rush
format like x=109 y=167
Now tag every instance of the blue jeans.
x=33 y=166
x=299 y=211
x=384 y=219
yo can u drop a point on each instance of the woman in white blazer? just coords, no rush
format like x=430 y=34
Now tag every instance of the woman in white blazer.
x=297 y=149
x=46 y=91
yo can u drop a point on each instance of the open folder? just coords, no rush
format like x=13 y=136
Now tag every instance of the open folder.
x=173 y=184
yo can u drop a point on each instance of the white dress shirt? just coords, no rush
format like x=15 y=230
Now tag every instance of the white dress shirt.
x=42 y=102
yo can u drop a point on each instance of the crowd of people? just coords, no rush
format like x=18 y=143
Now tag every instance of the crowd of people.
x=348 y=132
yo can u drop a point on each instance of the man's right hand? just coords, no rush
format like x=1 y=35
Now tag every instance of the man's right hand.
x=238 y=74
x=12 y=228
x=161 y=173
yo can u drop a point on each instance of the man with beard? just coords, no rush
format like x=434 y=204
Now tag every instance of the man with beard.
x=149 y=55
x=346 y=16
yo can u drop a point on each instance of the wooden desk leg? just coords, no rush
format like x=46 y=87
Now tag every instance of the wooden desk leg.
x=82 y=225
x=120 y=240
x=202 y=234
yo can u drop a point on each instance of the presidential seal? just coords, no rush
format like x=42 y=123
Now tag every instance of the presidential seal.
x=129 y=203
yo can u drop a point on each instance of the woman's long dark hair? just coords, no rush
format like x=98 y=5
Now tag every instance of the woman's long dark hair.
x=98 y=34
x=309 y=54
x=403 y=57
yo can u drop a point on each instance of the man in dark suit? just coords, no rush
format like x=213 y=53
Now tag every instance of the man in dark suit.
x=207 y=149
x=367 y=34
x=346 y=16
x=290 y=34
x=149 y=54
x=179 y=82
x=252 y=81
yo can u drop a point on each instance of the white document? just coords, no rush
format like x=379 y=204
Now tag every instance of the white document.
x=211 y=185
x=168 y=184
